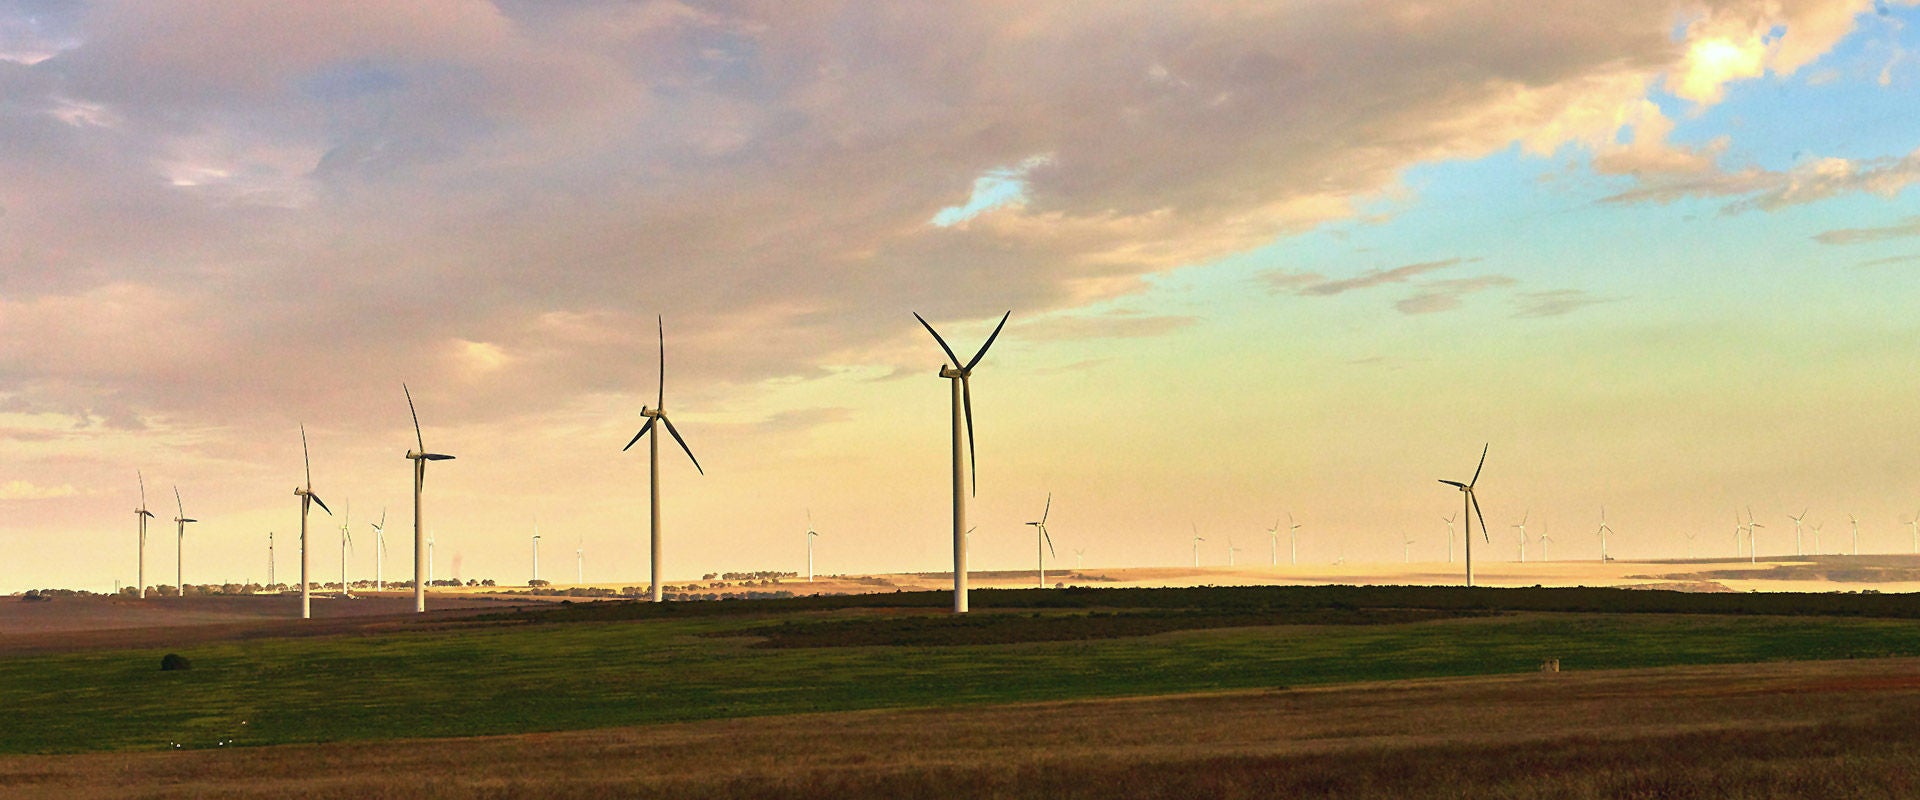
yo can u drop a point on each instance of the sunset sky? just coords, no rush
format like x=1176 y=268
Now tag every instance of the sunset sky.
x=1262 y=258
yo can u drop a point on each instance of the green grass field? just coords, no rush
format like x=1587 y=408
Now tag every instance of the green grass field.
x=587 y=666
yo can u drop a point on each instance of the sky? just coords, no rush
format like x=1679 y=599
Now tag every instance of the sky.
x=1262 y=259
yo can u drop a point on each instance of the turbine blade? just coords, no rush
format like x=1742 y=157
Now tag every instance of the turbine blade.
x=1453 y=483
x=1048 y=508
x=683 y=444
x=176 y=501
x=416 y=418
x=438 y=457
x=307 y=457
x=936 y=337
x=662 y=399
x=643 y=432
x=1049 y=541
x=321 y=503
x=990 y=338
x=143 y=488
x=973 y=458
x=1483 y=464
x=1482 y=516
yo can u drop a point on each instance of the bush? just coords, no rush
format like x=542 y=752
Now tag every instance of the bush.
x=174 y=661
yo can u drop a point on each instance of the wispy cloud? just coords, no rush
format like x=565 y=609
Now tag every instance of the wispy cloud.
x=1881 y=262
x=1556 y=302
x=23 y=490
x=1909 y=227
x=1378 y=277
x=1769 y=190
x=1446 y=295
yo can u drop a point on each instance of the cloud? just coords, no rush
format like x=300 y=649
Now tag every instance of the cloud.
x=1445 y=295
x=23 y=490
x=1881 y=262
x=1909 y=227
x=1769 y=190
x=800 y=420
x=1556 y=302
x=1377 y=277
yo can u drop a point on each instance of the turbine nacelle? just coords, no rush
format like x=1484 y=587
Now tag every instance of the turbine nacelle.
x=955 y=372
x=416 y=456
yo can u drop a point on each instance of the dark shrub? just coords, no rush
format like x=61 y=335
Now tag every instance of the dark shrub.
x=173 y=661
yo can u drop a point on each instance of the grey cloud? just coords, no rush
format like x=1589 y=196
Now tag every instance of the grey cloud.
x=1754 y=189
x=1556 y=302
x=1377 y=277
x=1909 y=227
x=1880 y=262
x=1445 y=295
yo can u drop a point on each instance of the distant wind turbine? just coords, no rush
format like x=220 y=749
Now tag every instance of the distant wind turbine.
x=659 y=414
x=422 y=546
x=180 y=543
x=271 y=578
x=1544 y=539
x=1856 y=532
x=1449 y=520
x=1523 y=534
x=1040 y=537
x=1406 y=548
x=1293 y=541
x=536 y=552
x=811 y=535
x=1796 y=529
x=1816 y=536
x=380 y=552
x=1197 y=539
x=307 y=500
x=1602 y=533
x=346 y=544
x=1691 y=535
x=960 y=379
x=1077 y=554
x=142 y=514
x=1273 y=543
x=1230 y=551
x=1470 y=503
x=1915 y=525
x=580 y=562
x=1753 y=548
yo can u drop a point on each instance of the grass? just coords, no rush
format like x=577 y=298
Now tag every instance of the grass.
x=582 y=667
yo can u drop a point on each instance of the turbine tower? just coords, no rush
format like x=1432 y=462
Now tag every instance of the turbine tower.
x=1273 y=542
x=959 y=378
x=1544 y=539
x=1796 y=530
x=811 y=535
x=307 y=500
x=659 y=414
x=580 y=562
x=1523 y=534
x=1606 y=529
x=180 y=543
x=1040 y=537
x=1753 y=548
x=1816 y=536
x=142 y=514
x=422 y=546
x=1691 y=535
x=1449 y=520
x=1293 y=541
x=1470 y=503
x=1915 y=525
x=380 y=552
x=346 y=544
x=1406 y=548
x=1856 y=532
x=1230 y=551
x=1197 y=539
x=271 y=578
x=1739 y=530
x=536 y=553
x=1077 y=555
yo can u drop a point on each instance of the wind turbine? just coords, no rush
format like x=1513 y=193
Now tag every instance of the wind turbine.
x=1602 y=533
x=960 y=379
x=1523 y=534
x=1856 y=532
x=1816 y=536
x=1293 y=541
x=1449 y=520
x=1691 y=535
x=1471 y=503
x=1077 y=555
x=580 y=562
x=536 y=553
x=1273 y=542
x=1915 y=525
x=422 y=546
x=346 y=544
x=1230 y=551
x=180 y=543
x=811 y=535
x=1406 y=548
x=1543 y=542
x=1739 y=529
x=1040 y=537
x=142 y=514
x=307 y=500
x=1796 y=530
x=1753 y=548
x=659 y=414
x=271 y=578
x=1197 y=539
x=380 y=552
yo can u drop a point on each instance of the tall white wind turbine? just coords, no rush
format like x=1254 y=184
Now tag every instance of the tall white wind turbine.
x=659 y=414
x=346 y=545
x=1077 y=556
x=1041 y=537
x=580 y=562
x=1197 y=539
x=1523 y=534
x=1739 y=530
x=1273 y=543
x=142 y=515
x=307 y=500
x=1915 y=525
x=1406 y=548
x=1753 y=544
x=1796 y=529
x=180 y=543
x=1816 y=536
x=270 y=562
x=1470 y=506
x=422 y=546
x=536 y=553
x=1293 y=541
x=960 y=380
x=1449 y=520
x=1856 y=532
x=1691 y=535
x=1230 y=551
x=811 y=535
x=1544 y=539
x=1602 y=533
x=380 y=552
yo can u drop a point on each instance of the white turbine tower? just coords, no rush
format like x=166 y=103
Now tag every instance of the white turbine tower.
x=1449 y=520
x=180 y=543
x=1470 y=506
x=1523 y=534
x=1856 y=532
x=422 y=546
x=1691 y=535
x=536 y=553
x=1041 y=537
x=1197 y=539
x=1816 y=536
x=1406 y=548
x=1273 y=542
x=1293 y=541
x=811 y=535
x=346 y=544
x=1915 y=525
x=1753 y=548
x=1796 y=530
x=307 y=500
x=271 y=578
x=142 y=514
x=580 y=562
x=1739 y=530
x=659 y=414
x=380 y=552
x=1544 y=539
x=1077 y=556
x=1602 y=533
x=1230 y=551
x=960 y=380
